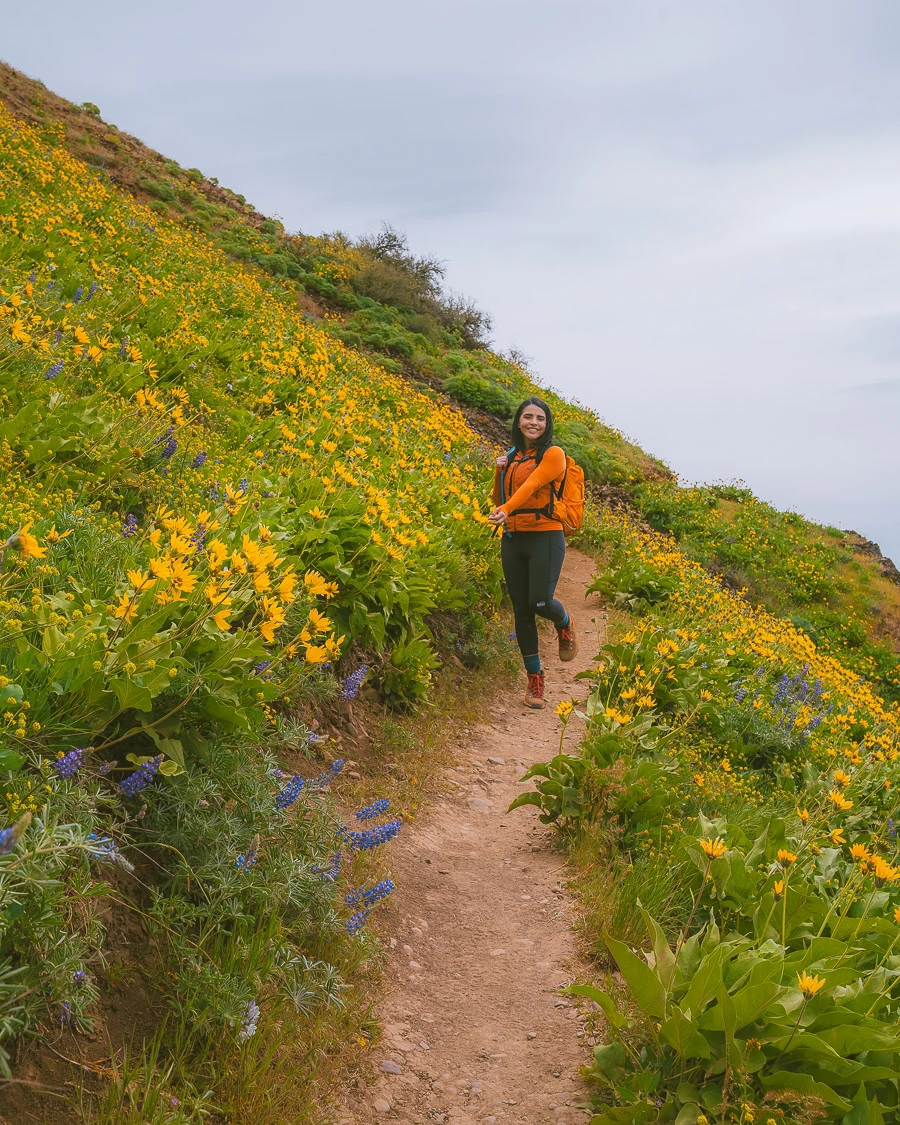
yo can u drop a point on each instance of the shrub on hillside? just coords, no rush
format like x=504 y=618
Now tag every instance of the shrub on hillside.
x=481 y=393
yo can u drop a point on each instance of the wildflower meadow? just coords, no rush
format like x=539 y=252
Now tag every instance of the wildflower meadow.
x=733 y=810
x=246 y=482
x=211 y=507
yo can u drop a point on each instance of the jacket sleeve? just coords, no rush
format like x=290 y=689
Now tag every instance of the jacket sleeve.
x=553 y=465
x=495 y=495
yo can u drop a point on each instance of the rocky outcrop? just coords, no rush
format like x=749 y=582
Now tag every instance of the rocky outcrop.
x=862 y=546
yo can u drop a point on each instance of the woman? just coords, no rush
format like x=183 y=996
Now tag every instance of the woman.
x=534 y=544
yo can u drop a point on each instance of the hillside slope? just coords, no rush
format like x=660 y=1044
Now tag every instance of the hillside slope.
x=240 y=483
x=384 y=301
x=213 y=514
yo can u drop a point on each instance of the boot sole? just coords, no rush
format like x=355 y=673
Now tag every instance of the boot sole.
x=534 y=706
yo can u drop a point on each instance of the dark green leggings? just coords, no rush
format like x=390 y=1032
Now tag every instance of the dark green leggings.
x=532 y=561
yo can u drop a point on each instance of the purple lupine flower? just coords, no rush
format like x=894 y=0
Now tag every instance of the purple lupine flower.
x=199 y=460
x=243 y=485
x=356 y=923
x=170 y=447
x=246 y=861
x=290 y=793
x=259 y=668
x=199 y=535
x=373 y=837
x=377 y=808
x=92 y=290
x=130 y=526
x=78 y=293
x=352 y=684
x=53 y=371
x=9 y=837
x=79 y=977
x=70 y=763
x=333 y=870
x=249 y=1021
x=141 y=778
x=123 y=348
x=368 y=897
x=327 y=776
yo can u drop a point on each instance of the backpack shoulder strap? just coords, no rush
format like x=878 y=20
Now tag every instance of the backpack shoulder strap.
x=510 y=453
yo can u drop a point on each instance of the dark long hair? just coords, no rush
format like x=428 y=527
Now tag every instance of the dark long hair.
x=546 y=438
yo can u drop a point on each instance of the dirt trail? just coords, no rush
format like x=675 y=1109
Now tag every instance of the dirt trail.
x=474 y=1029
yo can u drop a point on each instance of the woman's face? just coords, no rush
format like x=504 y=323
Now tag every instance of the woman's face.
x=532 y=423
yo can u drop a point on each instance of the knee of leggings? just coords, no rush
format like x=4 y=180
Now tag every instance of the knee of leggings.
x=539 y=608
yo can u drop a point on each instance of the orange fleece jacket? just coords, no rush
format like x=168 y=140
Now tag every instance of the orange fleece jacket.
x=528 y=486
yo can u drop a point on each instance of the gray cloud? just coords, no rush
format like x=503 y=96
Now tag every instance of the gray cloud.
x=688 y=213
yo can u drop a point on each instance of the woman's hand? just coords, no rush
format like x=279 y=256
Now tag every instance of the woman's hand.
x=502 y=462
x=497 y=517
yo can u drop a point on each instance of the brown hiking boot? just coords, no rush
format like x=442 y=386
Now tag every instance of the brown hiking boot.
x=534 y=693
x=568 y=641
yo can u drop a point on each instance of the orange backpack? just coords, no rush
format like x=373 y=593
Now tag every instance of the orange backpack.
x=566 y=501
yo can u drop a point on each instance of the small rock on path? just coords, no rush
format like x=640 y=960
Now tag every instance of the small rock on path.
x=475 y=1031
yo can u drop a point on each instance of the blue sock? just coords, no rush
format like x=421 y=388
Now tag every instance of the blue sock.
x=565 y=624
x=532 y=664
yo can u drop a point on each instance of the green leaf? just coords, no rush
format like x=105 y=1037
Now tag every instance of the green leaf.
x=753 y=1000
x=684 y=1036
x=11 y=760
x=665 y=958
x=603 y=1000
x=130 y=695
x=225 y=713
x=52 y=640
x=729 y=1022
x=530 y=798
x=804 y=1084
x=646 y=987
x=171 y=747
x=634 y=1114
x=609 y=1060
x=706 y=981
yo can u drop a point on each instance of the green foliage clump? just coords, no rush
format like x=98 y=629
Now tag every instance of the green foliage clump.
x=745 y=785
x=481 y=393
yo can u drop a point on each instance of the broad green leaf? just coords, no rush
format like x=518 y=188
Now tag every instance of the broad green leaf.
x=684 y=1036
x=688 y=960
x=609 y=1060
x=225 y=712
x=131 y=695
x=646 y=987
x=530 y=798
x=847 y=1039
x=729 y=1022
x=804 y=1084
x=10 y=760
x=706 y=981
x=665 y=958
x=753 y=1000
x=601 y=998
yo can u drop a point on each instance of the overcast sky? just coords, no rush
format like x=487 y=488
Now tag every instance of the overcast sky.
x=686 y=212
